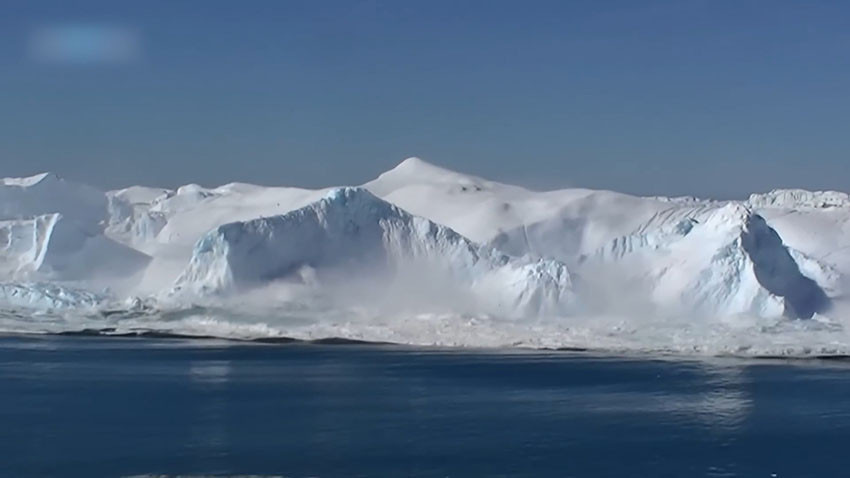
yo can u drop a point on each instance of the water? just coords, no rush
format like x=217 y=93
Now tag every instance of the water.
x=100 y=407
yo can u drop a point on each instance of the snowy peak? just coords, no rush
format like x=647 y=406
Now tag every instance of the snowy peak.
x=414 y=166
x=345 y=222
x=732 y=213
x=353 y=197
x=357 y=202
x=417 y=167
x=417 y=172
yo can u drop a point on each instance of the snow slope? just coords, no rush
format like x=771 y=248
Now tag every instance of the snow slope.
x=562 y=224
x=192 y=210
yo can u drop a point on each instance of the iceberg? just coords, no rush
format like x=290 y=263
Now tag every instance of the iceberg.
x=353 y=236
x=426 y=255
x=52 y=247
x=720 y=260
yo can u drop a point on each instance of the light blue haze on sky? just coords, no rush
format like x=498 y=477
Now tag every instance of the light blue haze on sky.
x=716 y=98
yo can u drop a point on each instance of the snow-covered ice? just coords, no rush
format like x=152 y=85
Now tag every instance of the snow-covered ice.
x=426 y=255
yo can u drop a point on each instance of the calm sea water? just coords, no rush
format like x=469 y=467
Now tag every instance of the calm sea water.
x=94 y=407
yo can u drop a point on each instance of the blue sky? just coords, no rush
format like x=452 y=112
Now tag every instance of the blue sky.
x=713 y=98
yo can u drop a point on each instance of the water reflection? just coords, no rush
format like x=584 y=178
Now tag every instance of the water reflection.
x=711 y=395
x=209 y=432
x=210 y=372
x=726 y=403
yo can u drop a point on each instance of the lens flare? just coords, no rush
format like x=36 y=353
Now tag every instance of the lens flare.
x=84 y=44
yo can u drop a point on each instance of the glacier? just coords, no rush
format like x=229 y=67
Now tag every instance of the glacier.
x=430 y=256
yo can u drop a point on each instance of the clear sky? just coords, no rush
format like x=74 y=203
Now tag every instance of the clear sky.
x=713 y=98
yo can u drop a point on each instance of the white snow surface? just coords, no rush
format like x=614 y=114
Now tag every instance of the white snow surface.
x=429 y=256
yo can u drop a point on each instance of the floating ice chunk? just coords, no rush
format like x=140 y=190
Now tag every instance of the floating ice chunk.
x=43 y=296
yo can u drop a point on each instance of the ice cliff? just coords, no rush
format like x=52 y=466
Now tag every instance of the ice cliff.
x=351 y=236
x=52 y=247
x=717 y=260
